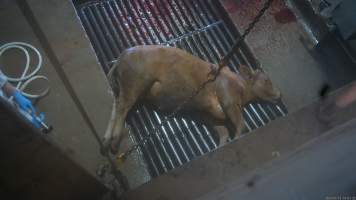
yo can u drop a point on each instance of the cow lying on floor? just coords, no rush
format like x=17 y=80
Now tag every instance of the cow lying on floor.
x=166 y=76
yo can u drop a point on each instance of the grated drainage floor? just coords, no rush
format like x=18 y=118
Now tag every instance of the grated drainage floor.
x=198 y=26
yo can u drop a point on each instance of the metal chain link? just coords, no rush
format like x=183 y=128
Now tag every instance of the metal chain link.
x=214 y=73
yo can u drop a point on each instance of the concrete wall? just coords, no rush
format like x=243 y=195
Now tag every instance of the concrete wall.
x=78 y=85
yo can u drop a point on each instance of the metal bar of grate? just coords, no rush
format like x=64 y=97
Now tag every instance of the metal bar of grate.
x=197 y=26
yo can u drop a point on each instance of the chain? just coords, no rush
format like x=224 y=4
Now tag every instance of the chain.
x=247 y=31
x=214 y=73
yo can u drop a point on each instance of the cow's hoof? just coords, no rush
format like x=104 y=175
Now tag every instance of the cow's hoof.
x=114 y=150
x=222 y=142
x=114 y=146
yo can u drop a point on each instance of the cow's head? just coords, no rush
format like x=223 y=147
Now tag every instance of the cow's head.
x=261 y=84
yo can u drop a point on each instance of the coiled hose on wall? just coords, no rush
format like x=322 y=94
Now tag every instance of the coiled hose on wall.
x=26 y=77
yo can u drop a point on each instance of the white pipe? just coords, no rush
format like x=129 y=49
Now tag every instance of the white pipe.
x=26 y=78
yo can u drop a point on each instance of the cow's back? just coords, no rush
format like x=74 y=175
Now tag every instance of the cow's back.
x=172 y=73
x=163 y=62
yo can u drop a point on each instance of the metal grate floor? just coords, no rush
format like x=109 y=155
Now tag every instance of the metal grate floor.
x=194 y=25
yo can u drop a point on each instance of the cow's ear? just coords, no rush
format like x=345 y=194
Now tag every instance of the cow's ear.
x=246 y=72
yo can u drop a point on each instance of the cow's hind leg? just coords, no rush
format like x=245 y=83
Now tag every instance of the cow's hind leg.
x=113 y=134
x=108 y=134
x=126 y=100
x=119 y=131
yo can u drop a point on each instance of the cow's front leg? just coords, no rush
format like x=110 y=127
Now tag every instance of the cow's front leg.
x=223 y=134
x=234 y=113
x=217 y=118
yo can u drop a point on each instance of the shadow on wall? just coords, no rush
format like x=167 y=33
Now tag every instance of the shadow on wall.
x=337 y=65
x=33 y=168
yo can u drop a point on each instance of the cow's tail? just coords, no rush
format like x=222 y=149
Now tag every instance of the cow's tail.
x=114 y=79
x=114 y=84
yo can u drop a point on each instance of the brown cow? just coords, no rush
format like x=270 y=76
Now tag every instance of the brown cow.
x=166 y=76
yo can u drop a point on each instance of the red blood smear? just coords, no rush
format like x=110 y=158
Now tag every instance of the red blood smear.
x=247 y=10
x=231 y=6
x=140 y=18
x=162 y=13
x=284 y=16
x=128 y=23
x=158 y=23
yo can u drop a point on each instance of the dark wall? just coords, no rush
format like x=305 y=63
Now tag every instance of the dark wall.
x=32 y=168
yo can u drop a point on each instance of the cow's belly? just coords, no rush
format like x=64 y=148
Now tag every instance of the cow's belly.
x=168 y=96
